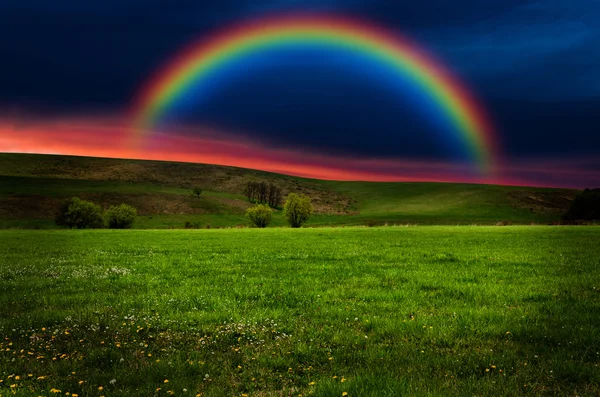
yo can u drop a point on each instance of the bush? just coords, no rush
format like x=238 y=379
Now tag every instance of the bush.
x=197 y=191
x=192 y=225
x=586 y=206
x=260 y=216
x=80 y=214
x=120 y=217
x=61 y=215
x=297 y=209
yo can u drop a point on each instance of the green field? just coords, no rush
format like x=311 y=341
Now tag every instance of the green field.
x=279 y=312
x=32 y=187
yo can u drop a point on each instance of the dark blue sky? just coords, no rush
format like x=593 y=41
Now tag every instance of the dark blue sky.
x=534 y=64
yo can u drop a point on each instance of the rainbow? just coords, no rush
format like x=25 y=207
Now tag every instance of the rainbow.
x=201 y=60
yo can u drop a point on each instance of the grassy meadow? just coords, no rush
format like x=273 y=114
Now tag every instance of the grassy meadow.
x=32 y=187
x=387 y=311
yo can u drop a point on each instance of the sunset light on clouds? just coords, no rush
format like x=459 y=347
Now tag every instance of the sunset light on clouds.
x=111 y=138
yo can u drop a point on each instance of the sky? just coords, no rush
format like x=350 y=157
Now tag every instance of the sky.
x=71 y=72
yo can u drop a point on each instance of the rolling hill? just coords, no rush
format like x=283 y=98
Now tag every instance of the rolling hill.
x=32 y=187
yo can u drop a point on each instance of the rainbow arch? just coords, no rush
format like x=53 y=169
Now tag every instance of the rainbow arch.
x=206 y=57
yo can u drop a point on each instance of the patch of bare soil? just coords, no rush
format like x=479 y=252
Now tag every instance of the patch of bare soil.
x=183 y=175
x=552 y=202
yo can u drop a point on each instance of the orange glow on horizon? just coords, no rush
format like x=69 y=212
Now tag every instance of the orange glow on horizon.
x=103 y=137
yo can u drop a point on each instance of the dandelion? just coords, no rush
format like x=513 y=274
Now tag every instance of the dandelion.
x=158 y=389
x=14 y=386
x=81 y=382
x=311 y=384
x=166 y=381
x=344 y=394
x=100 y=388
x=53 y=390
x=74 y=395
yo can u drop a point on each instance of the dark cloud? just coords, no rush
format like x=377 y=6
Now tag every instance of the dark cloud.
x=533 y=63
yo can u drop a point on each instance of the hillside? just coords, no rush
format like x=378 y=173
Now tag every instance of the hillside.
x=32 y=187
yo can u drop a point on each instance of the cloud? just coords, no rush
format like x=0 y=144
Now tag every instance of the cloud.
x=110 y=137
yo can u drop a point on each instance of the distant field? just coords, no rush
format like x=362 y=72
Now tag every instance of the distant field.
x=433 y=311
x=33 y=186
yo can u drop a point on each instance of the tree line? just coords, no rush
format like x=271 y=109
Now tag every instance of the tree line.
x=264 y=193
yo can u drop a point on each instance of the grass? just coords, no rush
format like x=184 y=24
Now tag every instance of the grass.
x=321 y=312
x=33 y=186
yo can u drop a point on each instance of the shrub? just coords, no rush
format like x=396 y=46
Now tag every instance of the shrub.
x=297 y=209
x=120 y=217
x=192 y=225
x=260 y=216
x=61 y=215
x=197 y=192
x=80 y=214
x=586 y=206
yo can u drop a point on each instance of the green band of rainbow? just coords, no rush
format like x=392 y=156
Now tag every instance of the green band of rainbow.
x=200 y=60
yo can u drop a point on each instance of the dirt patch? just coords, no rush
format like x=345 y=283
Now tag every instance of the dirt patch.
x=550 y=202
x=172 y=174
x=41 y=207
x=28 y=206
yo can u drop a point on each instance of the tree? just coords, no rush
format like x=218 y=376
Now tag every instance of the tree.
x=274 y=196
x=197 y=192
x=61 y=215
x=120 y=217
x=80 y=214
x=586 y=206
x=263 y=193
x=297 y=209
x=260 y=215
